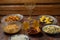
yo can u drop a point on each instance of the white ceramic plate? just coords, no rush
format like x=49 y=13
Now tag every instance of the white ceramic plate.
x=3 y=19
x=19 y=37
x=49 y=26
x=53 y=18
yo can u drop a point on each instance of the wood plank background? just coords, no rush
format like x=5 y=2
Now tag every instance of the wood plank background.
x=24 y=1
x=50 y=7
x=38 y=10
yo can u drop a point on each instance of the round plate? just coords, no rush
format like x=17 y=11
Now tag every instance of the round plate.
x=53 y=18
x=50 y=25
x=3 y=19
x=15 y=37
x=18 y=25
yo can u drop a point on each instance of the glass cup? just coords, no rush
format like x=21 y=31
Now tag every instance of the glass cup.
x=30 y=6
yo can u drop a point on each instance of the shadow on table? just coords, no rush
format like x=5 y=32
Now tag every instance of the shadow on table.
x=11 y=34
x=54 y=35
x=36 y=35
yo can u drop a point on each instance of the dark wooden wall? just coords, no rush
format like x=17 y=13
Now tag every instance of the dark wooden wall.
x=23 y=1
x=51 y=7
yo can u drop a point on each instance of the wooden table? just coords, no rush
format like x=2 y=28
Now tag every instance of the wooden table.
x=40 y=36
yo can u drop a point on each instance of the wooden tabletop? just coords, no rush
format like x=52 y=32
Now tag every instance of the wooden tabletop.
x=40 y=36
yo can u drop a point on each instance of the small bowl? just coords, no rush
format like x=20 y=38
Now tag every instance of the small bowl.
x=53 y=18
x=19 y=36
x=52 y=26
x=3 y=19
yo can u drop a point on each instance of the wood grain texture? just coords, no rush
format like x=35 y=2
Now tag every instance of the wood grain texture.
x=25 y=1
x=38 y=10
x=40 y=36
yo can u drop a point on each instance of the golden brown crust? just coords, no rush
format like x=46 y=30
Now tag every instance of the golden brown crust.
x=13 y=28
x=33 y=30
x=12 y=18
